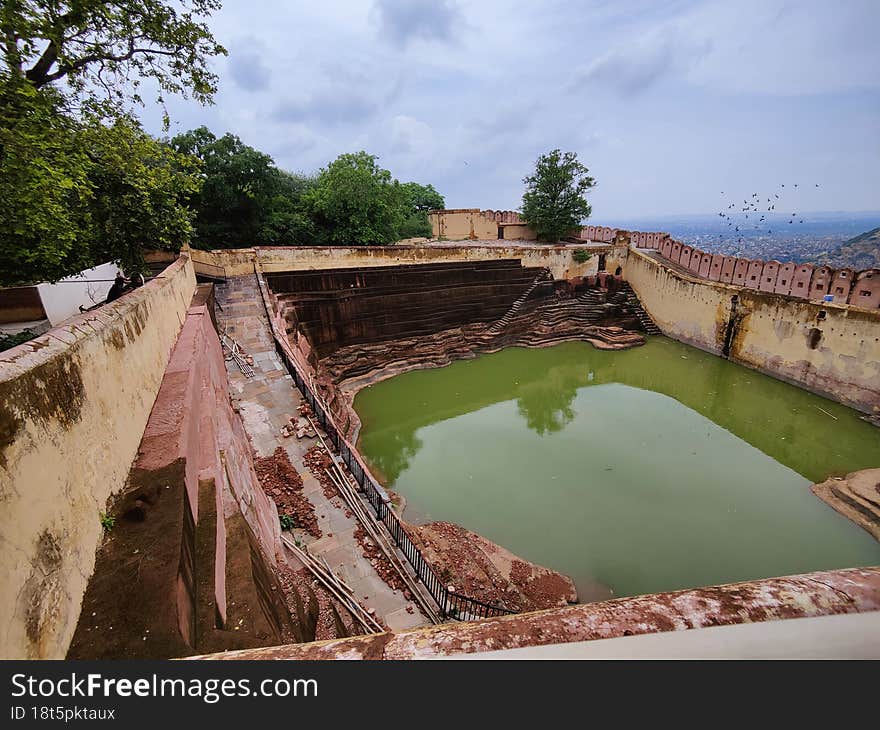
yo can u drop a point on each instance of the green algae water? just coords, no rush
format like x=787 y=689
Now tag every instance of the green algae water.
x=643 y=470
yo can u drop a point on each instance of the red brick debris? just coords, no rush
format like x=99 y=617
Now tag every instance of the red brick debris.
x=281 y=481
x=296 y=584
x=380 y=563
x=317 y=460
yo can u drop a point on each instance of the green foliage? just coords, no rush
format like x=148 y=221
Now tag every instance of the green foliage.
x=7 y=342
x=140 y=190
x=581 y=255
x=103 y=49
x=418 y=200
x=554 y=203
x=237 y=183
x=354 y=201
x=244 y=200
x=80 y=181
x=287 y=522
x=45 y=190
x=75 y=193
x=422 y=198
x=415 y=226
x=107 y=522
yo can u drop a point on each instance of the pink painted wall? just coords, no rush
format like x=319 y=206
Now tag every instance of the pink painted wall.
x=841 y=285
x=706 y=265
x=768 y=276
x=727 y=269
x=866 y=292
x=821 y=283
x=753 y=275
x=800 y=281
x=784 y=278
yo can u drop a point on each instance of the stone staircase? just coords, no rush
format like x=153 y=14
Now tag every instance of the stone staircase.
x=500 y=324
x=635 y=304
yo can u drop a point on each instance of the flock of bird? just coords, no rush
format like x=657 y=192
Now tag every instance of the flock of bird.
x=754 y=206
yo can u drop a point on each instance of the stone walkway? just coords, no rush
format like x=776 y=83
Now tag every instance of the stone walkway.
x=266 y=402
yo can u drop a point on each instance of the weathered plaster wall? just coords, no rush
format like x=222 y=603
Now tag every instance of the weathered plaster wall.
x=836 y=354
x=238 y=262
x=465 y=223
x=73 y=405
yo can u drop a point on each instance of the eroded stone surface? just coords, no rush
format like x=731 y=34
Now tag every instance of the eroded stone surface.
x=813 y=594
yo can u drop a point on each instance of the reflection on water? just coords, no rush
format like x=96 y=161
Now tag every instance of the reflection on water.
x=649 y=469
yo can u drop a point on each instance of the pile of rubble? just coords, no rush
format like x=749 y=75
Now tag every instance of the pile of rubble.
x=284 y=485
x=319 y=461
x=380 y=563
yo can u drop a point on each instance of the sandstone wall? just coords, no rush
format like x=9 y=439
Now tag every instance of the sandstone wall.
x=238 y=262
x=193 y=527
x=830 y=349
x=73 y=406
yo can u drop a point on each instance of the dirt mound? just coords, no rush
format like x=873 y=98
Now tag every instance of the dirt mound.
x=480 y=569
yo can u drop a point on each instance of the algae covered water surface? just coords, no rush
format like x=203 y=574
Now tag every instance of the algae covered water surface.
x=651 y=469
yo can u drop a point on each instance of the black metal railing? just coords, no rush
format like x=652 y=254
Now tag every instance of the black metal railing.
x=451 y=604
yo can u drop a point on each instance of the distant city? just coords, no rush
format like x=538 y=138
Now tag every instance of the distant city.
x=804 y=237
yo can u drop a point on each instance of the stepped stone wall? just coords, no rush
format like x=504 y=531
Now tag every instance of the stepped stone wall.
x=340 y=307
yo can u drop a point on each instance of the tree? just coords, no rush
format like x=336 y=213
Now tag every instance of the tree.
x=422 y=198
x=419 y=199
x=238 y=183
x=140 y=189
x=80 y=181
x=101 y=48
x=554 y=203
x=285 y=222
x=75 y=194
x=45 y=190
x=355 y=201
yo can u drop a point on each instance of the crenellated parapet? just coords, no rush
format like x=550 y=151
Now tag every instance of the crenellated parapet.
x=802 y=281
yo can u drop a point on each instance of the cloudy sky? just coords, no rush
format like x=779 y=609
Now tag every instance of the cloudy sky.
x=668 y=103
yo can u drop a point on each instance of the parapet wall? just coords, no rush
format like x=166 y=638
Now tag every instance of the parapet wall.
x=73 y=406
x=238 y=262
x=802 y=281
x=828 y=348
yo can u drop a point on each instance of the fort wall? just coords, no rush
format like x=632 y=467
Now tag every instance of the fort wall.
x=802 y=281
x=73 y=406
x=831 y=349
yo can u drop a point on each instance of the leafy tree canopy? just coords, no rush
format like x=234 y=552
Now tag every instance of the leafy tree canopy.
x=354 y=201
x=554 y=203
x=238 y=182
x=419 y=199
x=422 y=197
x=80 y=181
x=76 y=193
x=104 y=49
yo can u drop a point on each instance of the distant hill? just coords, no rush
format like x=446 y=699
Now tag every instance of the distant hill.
x=860 y=252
